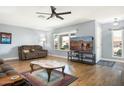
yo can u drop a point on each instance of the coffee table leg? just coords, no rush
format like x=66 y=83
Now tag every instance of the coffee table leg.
x=31 y=65
x=63 y=68
x=49 y=73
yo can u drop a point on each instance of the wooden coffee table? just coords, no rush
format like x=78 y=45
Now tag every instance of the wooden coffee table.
x=49 y=65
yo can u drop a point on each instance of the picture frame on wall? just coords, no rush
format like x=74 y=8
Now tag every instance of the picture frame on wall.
x=5 y=38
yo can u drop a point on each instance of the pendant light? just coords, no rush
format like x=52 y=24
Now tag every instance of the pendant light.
x=116 y=22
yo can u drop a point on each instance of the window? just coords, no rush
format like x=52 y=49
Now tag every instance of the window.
x=56 y=42
x=62 y=40
x=117 y=43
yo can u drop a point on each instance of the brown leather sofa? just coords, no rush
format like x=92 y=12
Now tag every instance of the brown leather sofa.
x=6 y=69
x=31 y=52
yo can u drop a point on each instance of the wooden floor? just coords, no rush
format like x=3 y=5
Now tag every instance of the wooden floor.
x=88 y=75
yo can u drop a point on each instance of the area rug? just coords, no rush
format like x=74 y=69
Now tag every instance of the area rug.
x=40 y=78
x=106 y=63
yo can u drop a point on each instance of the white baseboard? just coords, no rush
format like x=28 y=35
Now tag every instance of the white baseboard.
x=57 y=56
x=116 y=60
x=12 y=58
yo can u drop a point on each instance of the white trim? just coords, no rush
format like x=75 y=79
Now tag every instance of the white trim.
x=62 y=50
x=57 y=56
x=98 y=60
x=112 y=60
x=12 y=58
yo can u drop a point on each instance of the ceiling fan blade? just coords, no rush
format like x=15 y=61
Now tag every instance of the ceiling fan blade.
x=50 y=16
x=43 y=13
x=41 y=16
x=63 y=13
x=59 y=17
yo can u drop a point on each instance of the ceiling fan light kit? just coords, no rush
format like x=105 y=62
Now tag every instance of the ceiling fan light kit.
x=116 y=22
x=54 y=13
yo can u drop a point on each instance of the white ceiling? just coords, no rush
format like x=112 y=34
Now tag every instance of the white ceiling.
x=25 y=15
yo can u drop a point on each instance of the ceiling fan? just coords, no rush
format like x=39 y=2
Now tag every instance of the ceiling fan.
x=54 y=13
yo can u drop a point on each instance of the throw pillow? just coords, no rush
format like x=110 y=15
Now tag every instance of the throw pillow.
x=26 y=51
x=32 y=50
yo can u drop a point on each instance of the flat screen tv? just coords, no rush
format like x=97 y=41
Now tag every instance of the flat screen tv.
x=83 y=43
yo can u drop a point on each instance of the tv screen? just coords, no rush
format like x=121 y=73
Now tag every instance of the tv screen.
x=84 y=43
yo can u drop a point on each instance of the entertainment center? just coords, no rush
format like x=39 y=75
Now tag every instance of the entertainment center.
x=81 y=50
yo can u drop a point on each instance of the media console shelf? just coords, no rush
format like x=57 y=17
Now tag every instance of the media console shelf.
x=80 y=56
x=81 y=49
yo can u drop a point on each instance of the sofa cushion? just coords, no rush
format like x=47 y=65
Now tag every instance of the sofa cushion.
x=31 y=55
x=2 y=75
x=32 y=50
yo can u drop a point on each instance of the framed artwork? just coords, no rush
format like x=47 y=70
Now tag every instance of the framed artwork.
x=5 y=38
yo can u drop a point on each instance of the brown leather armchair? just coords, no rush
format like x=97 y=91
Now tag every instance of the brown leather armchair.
x=31 y=52
x=6 y=69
